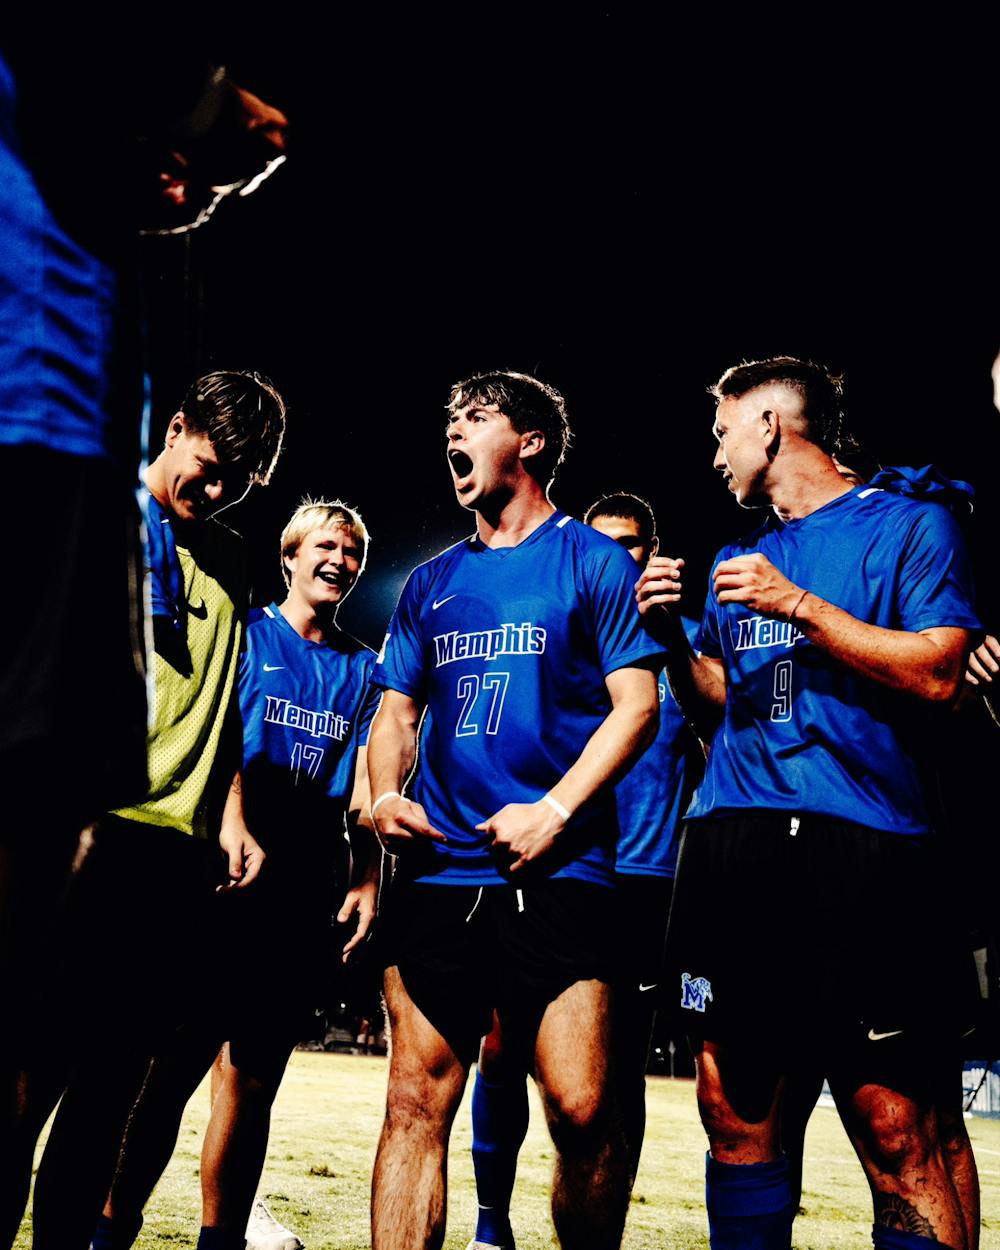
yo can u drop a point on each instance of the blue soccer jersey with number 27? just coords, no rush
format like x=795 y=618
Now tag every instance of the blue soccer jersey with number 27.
x=509 y=649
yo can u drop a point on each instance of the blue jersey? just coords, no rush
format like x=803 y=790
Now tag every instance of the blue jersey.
x=801 y=731
x=509 y=649
x=69 y=353
x=306 y=708
x=652 y=796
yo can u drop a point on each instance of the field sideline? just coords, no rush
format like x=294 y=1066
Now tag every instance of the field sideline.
x=326 y=1124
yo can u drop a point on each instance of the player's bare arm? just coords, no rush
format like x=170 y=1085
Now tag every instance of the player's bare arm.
x=529 y=830
x=392 y=749
x=366 y=858
x=928 y=664
x=239 y=845
x=698 y=682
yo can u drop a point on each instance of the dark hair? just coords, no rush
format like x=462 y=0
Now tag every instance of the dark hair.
x=243 y=416
x=851 y=455
x=821 y=392
x=529 y=405
x=627 y=507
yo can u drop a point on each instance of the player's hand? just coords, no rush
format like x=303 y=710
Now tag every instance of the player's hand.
x=754 y=581
x=244 y=853
x=984 y=662
x=524 y=830
x=659 y=587
x=400 y=823
x=359 y=901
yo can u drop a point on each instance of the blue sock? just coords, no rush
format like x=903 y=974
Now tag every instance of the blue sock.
x=748 y=1205
x=884 y=1238
x=220 y=1239
x=499 y=1123
x=117 y=1234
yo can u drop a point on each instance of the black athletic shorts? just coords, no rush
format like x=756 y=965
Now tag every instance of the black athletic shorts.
x=285 y=924
x=147 y=937
x=814 y=932
x=464 y=950
x=643 y=904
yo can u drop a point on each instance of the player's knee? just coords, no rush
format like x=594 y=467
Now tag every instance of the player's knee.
x=423 y=1098
x=250 y=1087
x=725 y=1129
x=897 y=1137
x=577 y=1114
x=713 y=1106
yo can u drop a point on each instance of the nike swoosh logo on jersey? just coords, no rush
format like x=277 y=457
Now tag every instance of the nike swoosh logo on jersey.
x=272 y=668
x=643 y=988
x=201 y=611
x=878 y=1037
x=438 y=603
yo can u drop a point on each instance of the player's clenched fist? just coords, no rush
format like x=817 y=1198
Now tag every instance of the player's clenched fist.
x=984 y=663
x=399 y=823
x=524 y=830
x=755 y=582
x=660 y=584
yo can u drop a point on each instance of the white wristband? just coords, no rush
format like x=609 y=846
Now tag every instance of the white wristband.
x=389 y=794
x=556 y=806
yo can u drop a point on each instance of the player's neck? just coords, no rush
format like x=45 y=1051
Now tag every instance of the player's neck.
x=315 y=625
x=806 y=484
x=186 y=531
x=155 y=477
x=510 y=523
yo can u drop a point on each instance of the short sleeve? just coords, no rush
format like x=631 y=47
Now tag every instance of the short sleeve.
x=369 y=706
x=708 y=640
x=618 y=631
x=935 y=577
x=400 y=663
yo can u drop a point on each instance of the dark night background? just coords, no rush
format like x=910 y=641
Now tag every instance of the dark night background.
x=624 y=210
x=623 y=214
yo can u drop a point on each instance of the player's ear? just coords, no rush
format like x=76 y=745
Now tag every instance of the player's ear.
x=177 y=426
x=532 y=442
x=770 y=430
x=654 y=545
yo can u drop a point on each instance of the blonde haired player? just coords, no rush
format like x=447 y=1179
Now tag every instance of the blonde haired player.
x=306 y=707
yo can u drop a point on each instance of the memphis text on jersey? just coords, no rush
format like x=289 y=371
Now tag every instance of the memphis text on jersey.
x=764 y=631
x=319 y=724
x=487 y=644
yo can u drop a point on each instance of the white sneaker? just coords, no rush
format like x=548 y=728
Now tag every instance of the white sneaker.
x=479 y=1245
x=265 y=1233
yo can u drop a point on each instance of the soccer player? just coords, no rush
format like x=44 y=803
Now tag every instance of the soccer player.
x=306 y=708
x=539 y=688
x=144 y=901
x=806 y=915
x=803 y=1085
x=70 y=414
x=650 y=799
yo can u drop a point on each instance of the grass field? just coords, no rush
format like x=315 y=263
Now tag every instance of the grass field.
x=326 y=1124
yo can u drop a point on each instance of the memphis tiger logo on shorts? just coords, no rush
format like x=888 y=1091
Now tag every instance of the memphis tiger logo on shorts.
x=695 y=992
